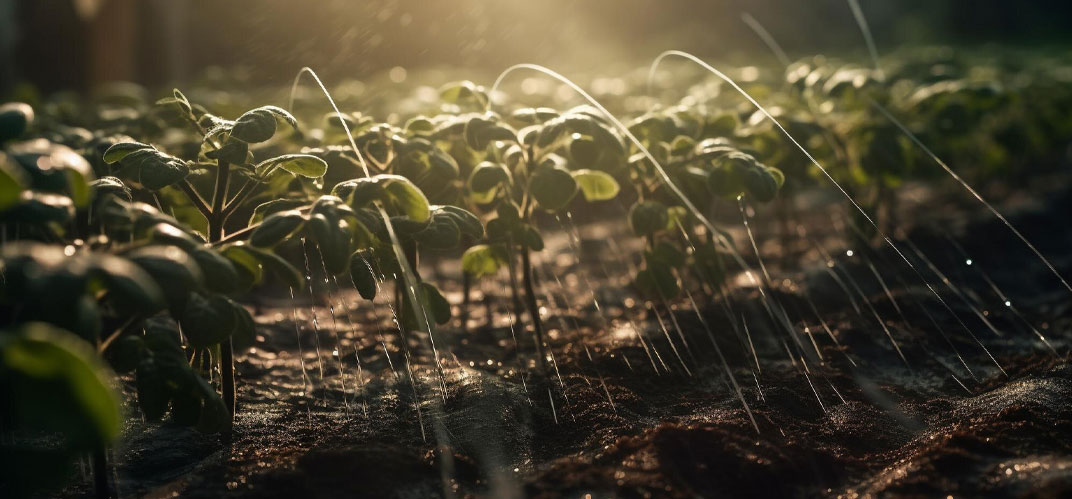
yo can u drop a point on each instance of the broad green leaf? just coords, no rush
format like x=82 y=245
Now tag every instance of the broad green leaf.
x=274 y=206
x=658 y=281
x=552 y=188
x=259 y=125
x=173 y=270
x=59 y=386
x=596 y=185
x=208 y=320
x=245 y=332
x=488 y=175
x=129 y=287
x=12 y=181
x=219 y=274
x=484 y=259
x=305 y=165
x=269 y=261
x=120 y=150
x=463 y=91
x=276 y=228
x=648 y=217
x=155 y=170
x=435 y=303
x=363 y=276
x=15 y=118
x=532 y=238
x=442 y=232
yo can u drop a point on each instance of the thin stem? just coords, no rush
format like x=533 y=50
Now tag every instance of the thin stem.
x=243 y=193
x=195 y=197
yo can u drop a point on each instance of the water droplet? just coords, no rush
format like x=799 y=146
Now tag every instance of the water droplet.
x=1008 y=303
x=968 y=261
x=848 y=253
x=69 y=250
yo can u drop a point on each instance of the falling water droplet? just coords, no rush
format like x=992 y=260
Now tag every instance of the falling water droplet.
x=848 y=253
x=968 y=261
x=1008 y=303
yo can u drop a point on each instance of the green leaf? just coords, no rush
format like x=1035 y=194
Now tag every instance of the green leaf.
x=12 y=181
x=259 y=125
x=658 y=281
x=166 y=233
x=488 y=175
x=532 y=238
x=59 y=386
x=435 y=303
x=667 y=253
x=596 y=185
x=468 y=223
x=276 y=205
x=398 y=194
x=110 y=186
x=484 y=259
x=246 y=264
x=305 y=165
x=648 y=217
x=129 y=287
x=15 y=118
x=553 y=188
x=463 y=91
x=155 y=169
x=219 y=273
x=363 y=276
x=482 y=131
x=442 y=232
x=40 y=208
x=761 y=184
x=245 y=332
x=173 y=270
x=208 y=320
x=269 y=261
x=120 y=150
x=276 y=228
x=332 y=237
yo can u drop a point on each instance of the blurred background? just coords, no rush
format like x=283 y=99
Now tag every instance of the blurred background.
x=75 y=44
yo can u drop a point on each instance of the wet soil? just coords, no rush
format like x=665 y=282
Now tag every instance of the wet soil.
x=618 y=417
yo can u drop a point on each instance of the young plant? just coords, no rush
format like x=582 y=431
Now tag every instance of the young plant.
x=525 y=174
x=228 y=153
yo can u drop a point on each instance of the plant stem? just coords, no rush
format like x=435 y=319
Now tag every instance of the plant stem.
x=195 y=198
x=100 y=473
x=215 y=229
x=467 y=282
x=534 y=308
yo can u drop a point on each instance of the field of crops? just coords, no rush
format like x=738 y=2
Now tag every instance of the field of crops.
x=826 y=277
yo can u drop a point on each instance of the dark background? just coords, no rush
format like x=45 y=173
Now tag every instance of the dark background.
x=49 y=44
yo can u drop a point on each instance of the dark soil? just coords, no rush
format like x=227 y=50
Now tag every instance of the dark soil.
x=859 y=421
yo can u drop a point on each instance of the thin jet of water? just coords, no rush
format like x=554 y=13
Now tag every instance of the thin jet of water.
x=765 y=35
x=312 y=311
x=1000 y=294
x=973 y=192
x=889 y=242
x=858 y=13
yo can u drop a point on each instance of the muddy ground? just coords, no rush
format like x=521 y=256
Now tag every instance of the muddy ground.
x=613 y=421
